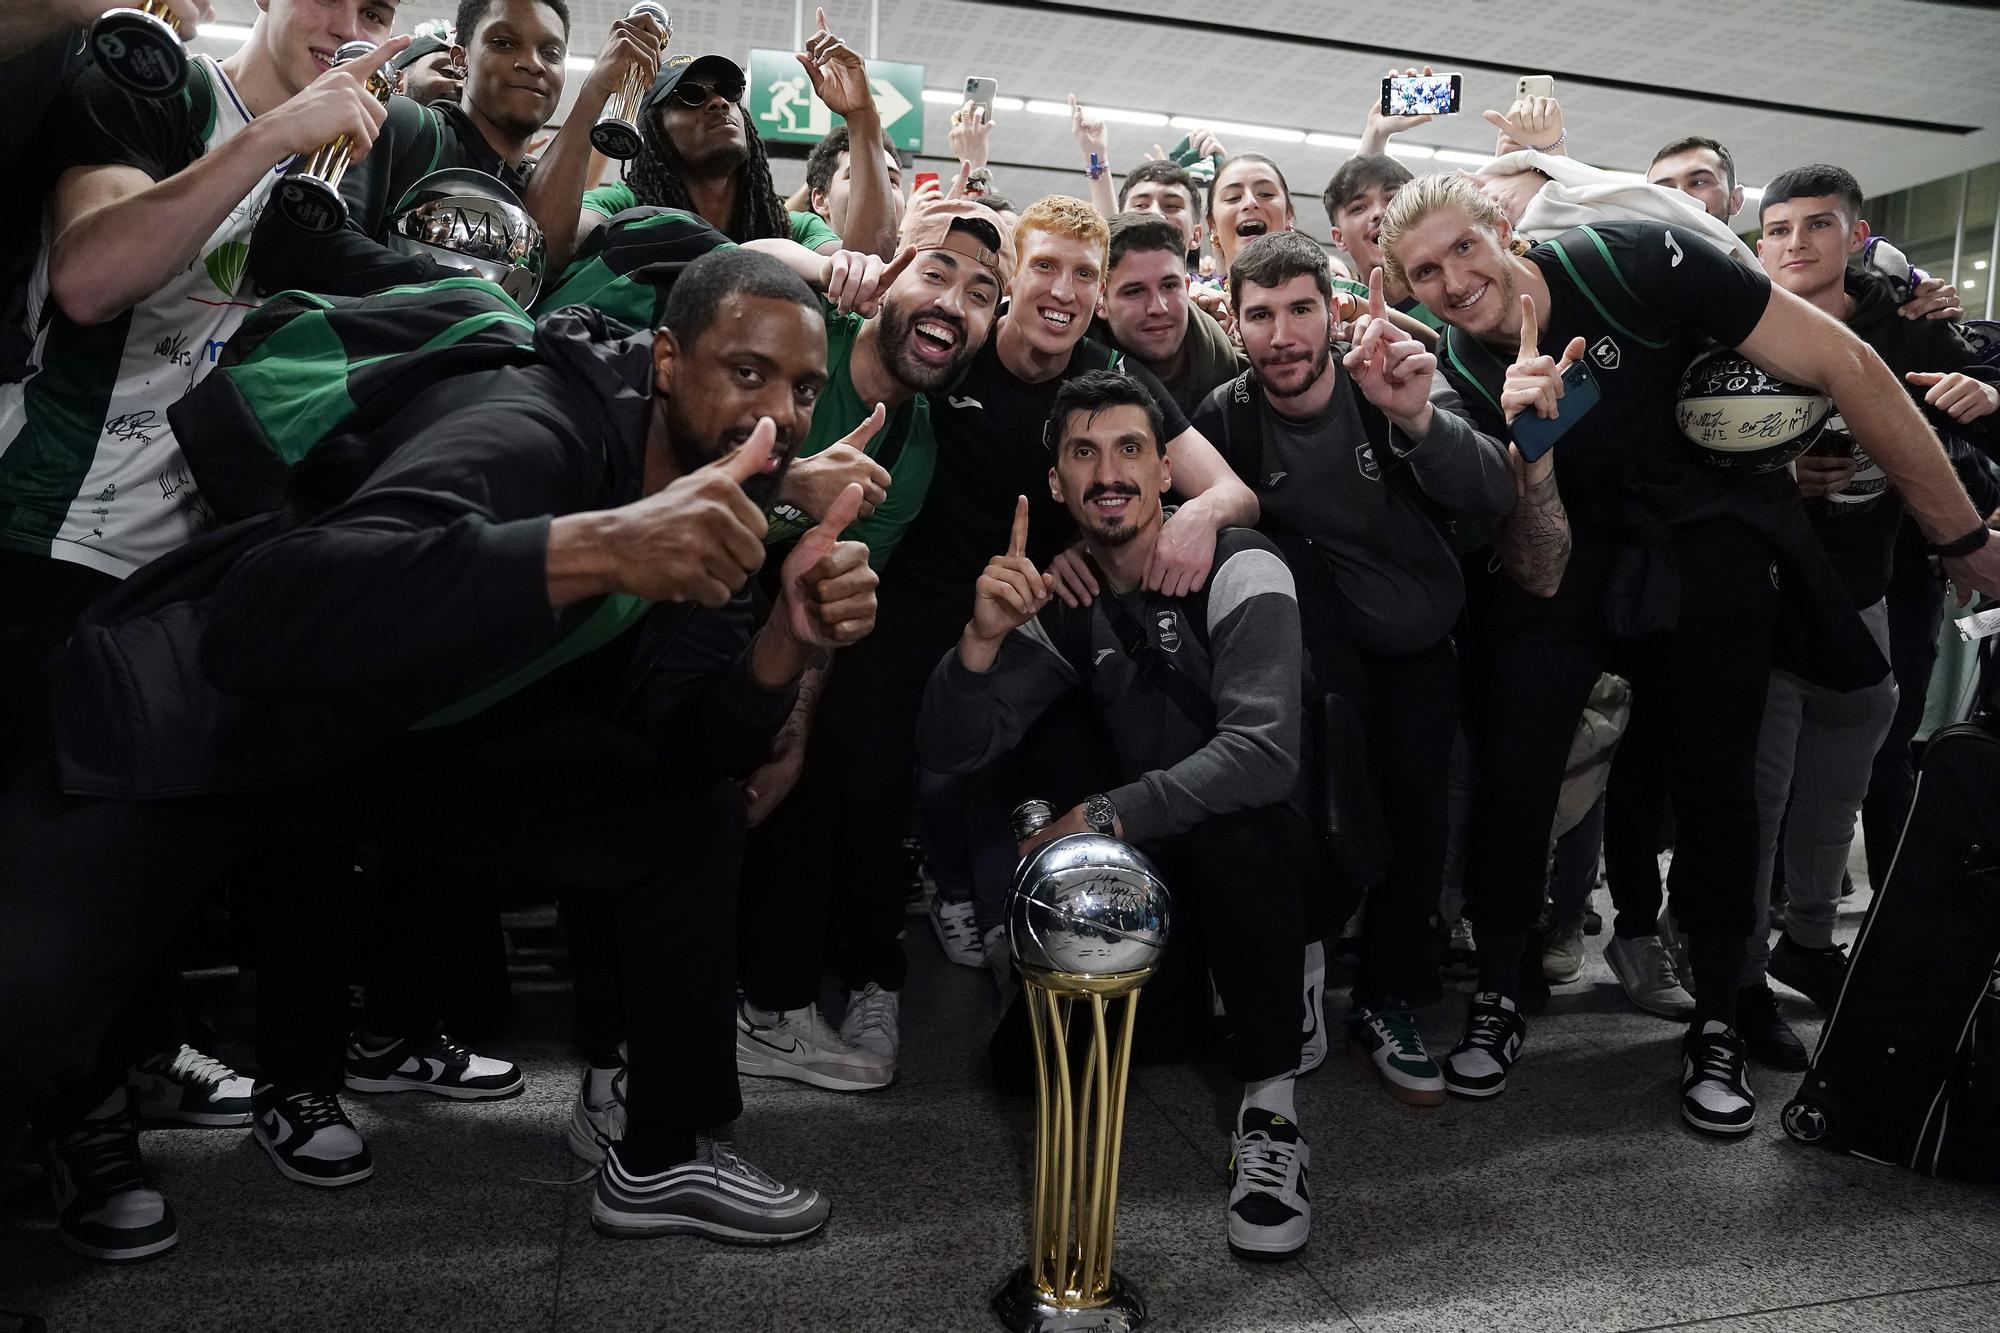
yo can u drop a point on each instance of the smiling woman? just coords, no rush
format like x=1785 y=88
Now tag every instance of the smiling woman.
x=1248 y=198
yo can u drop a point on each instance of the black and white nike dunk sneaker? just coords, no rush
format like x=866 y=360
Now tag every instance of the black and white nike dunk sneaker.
x=433 y=1063
x=1270 y=1204
x=309 y=1137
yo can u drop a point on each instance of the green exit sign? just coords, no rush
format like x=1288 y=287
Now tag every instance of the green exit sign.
x=784 y=109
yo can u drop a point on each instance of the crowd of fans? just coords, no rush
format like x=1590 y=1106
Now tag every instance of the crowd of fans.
x=630 y=528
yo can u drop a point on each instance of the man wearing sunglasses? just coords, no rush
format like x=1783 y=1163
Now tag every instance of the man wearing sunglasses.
x=701 y=153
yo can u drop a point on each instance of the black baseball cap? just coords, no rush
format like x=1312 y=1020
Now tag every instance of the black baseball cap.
x=715 y=71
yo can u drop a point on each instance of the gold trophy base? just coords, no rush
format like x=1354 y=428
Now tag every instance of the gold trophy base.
x=1023 y=1307
x=140 y=52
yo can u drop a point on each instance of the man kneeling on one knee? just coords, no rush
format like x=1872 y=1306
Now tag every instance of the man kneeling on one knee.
x=1201 y=699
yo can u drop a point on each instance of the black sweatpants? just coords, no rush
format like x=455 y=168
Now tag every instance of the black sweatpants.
x=89 y=888
x=1409 y=706
x=1707 y=677
x=829 y=860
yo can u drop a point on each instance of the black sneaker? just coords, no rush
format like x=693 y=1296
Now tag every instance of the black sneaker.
x=1817 y=974
x=435 y=1064
x=310 y=1139
x=1767 y=1038
x=1715 y=1098
x=715 y=1194
x=1270 y=1206
x=105 y=1207
x=1494 y=1032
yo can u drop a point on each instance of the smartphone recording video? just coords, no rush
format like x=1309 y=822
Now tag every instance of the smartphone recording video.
x=1420 y=95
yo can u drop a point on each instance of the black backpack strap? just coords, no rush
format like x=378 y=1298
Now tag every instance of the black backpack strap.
x=1587 y=259
x=1154 y=667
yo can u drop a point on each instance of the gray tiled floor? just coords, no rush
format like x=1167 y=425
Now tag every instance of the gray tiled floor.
x=1575 y=1201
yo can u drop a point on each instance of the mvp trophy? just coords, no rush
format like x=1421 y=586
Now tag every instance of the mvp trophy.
x=1087 y=921
x=615 y=134
x=309 y=199
x=141 y=50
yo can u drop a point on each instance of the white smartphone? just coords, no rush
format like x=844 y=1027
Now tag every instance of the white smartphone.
x=1535 y=85
x=979 y=91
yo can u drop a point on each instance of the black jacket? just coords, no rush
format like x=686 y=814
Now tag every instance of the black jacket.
x=288 y=645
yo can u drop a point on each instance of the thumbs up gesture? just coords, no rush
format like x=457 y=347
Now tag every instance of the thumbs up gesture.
x=826 y=591
x=1534 y=382
x=1009 y=594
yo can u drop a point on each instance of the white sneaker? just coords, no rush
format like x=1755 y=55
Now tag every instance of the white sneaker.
x=1312 y=1031
x=871 y=1023
x=798 y=1044
x=1270 y=1204
x=957 y=933
x=1645 y=970
x=1562 y=954
x=598 y=1119
x=190 y=1087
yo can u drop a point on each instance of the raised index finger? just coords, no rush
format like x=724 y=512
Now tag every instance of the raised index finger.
x=1017 y=543
x=822 y=19
x=894 y=268
x=1378 y=308
x=1531 y=333
x=363 y=66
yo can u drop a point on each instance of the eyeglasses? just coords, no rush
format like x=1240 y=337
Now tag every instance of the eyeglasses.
x=690 y=93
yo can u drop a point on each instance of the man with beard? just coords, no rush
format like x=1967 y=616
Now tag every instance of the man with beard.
x=1359 y=468
x=513 y=53
x=1670 y=568
x=1200 y=695
x=1146 y=310
x=523 y=640
x=700 y=151
x=988 y=425
x=934 y=320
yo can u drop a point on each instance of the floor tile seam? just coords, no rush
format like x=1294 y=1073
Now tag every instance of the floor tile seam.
x=1327 y=1291
x=1815 y=1305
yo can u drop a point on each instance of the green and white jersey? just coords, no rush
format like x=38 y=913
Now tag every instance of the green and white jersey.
x=89 y=468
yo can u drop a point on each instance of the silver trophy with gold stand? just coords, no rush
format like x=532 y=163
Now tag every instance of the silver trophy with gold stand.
x=616 y=133
x=1087 y=921
x=310 y=198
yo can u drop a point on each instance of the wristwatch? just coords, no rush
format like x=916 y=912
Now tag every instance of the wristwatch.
x=1100 y=815
x=1965 y=545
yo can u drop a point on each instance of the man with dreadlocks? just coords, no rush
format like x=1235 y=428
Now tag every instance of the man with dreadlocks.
x=701 y=153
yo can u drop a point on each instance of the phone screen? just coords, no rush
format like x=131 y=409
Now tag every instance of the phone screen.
x=1536 y=435
x=1420 y=95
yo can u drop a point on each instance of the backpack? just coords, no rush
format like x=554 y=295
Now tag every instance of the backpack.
x=304 y=369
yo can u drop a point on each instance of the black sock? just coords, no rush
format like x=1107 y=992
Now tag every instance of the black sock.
x=1500 y=960
x=648 y=1150
x=1633 y=926
x=1717 y=963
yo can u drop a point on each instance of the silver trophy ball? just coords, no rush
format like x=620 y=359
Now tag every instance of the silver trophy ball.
x=1086 y=905
x=468 y=220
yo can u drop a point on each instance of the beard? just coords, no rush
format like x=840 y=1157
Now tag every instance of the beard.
x=911 y=369
x=1322 y=357
x=1120 y=529
x=694 y=449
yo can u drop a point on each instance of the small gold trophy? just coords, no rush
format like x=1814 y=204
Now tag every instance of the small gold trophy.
x=141 y=49
x=310 y=197
x=1087 y=921
x=616 y=133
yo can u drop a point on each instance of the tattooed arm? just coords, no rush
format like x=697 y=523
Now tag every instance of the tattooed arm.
x=767 y=788
x=1534 y=537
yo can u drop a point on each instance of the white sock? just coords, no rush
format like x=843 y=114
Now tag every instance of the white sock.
x=1273 y=1095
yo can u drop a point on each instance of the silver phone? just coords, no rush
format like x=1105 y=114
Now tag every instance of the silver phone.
x=1535 y=85
x=980 y=91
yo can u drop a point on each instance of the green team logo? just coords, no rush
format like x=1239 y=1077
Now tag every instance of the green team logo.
x=225 y=265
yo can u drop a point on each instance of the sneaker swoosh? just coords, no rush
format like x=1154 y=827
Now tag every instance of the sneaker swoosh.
x=275 y=1128
x=792 y=1049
